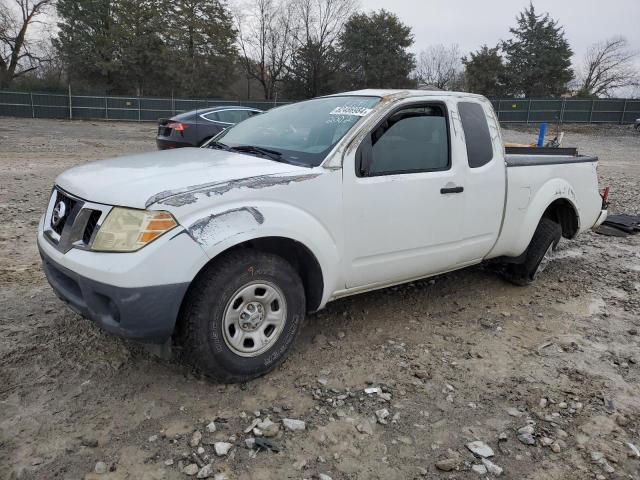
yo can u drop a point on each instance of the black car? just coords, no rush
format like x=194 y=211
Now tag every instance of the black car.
x=192 y=129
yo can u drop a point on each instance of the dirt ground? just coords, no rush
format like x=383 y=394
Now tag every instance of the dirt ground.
x=463 y=357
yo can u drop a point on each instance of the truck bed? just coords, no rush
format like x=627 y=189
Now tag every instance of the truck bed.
x=534 y=182
x=527 y=160
x=532 y=150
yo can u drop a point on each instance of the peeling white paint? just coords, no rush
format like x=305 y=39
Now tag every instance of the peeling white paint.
x=215 y=228
x=188 y=195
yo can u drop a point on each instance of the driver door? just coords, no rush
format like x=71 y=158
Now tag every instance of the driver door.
x=403 y=199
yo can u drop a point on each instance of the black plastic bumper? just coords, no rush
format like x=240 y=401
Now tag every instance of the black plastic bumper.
x=164 y=143
x=147 y=314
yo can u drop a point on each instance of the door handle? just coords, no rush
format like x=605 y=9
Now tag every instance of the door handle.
x=447 y=190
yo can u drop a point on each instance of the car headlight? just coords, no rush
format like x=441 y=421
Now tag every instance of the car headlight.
x=128 y=230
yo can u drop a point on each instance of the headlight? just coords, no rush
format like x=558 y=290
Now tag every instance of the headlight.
x=128 y=230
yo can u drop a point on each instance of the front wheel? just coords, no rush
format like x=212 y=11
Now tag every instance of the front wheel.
x=242 y=316
x=538 y=254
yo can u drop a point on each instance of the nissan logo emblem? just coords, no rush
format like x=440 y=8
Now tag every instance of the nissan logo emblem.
x=58 y=214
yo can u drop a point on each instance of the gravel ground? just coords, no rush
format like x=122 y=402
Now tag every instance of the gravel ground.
x=546 y=377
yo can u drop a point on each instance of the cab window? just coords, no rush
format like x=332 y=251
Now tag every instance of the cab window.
x=476 y=134
x=413 y=139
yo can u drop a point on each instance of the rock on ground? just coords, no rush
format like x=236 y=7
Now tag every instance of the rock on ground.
x=222 y=448
x=293 y=425
x=480 y=449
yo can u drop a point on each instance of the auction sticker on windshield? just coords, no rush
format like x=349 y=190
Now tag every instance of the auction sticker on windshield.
x=350 y=110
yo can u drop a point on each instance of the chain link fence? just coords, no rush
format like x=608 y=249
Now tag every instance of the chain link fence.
x=619 y=110
x=86 y=107
x=141 y=109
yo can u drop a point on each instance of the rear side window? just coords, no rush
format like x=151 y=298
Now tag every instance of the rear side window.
x=229 y=116
x=411 y=140
x=476 y=134
x=232 y=116
x=213 y=116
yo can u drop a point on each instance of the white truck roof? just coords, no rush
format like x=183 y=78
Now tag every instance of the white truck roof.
x=404 y=93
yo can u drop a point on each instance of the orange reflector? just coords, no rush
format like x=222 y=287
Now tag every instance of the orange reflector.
x=156 y=224
x=146 y=237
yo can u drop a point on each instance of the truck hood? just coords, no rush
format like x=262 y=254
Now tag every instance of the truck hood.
x=138 y=181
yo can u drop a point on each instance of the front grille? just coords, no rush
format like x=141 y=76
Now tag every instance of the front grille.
x=91 y=226
x=75 y=223
x=63 y=206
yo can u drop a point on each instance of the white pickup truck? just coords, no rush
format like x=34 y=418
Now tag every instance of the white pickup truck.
x=226 y=247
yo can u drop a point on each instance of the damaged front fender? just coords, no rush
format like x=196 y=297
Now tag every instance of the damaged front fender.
x=302 y=208
x=229 y=227
x=217 y=227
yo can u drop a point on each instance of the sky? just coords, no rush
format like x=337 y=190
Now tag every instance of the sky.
x=471 y=23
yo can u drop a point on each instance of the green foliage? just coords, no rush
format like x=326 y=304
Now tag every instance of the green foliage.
x=141 y=50
x=147 y=46
x=86 y=42
x=201 y=37
x=538 y=57
x=312 y=72
x=374 y=51
x=188 y=47
x=584 y=93
x=485 y=72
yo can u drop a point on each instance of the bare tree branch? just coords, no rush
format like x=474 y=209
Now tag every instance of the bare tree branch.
x=266 y=30
x=322 y=21
x=17 y=55
x=608 y=66
x=439 y=66
x=320 y=24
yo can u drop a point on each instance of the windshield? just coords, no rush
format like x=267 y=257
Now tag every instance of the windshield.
x=301 y=133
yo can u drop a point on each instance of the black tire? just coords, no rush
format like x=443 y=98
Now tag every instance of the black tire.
x=547 y=234
x=200 y=329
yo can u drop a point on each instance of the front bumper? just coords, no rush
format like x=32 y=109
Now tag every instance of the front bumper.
x=143 y=313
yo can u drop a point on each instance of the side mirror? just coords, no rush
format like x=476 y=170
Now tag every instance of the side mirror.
x=364 y=157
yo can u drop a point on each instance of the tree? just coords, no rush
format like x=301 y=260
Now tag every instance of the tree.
x=18 y=51
x=87 y=43
x=485 y=71
x=439 y=66
x=315 y=61
x=374 y=51
x=148 y=46
x=202 y=38
x=312 y=71
x=266 y=30
x=538 y=57
x=140 y=49
x=607 y=66
x=48 y=77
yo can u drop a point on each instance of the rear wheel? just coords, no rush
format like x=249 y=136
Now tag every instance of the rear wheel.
x=538 y=255
x=242 y=316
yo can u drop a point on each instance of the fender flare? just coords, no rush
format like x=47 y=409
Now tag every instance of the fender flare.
x=553 y=190
x=230 y=225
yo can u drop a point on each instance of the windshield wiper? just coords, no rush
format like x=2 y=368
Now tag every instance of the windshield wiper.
x=267 y=152
x=219 y=146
